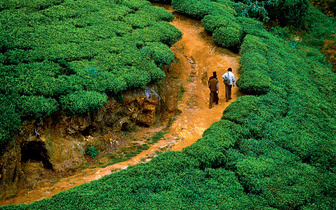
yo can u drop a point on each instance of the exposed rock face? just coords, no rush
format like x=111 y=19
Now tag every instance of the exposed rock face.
x=60 y=142
x=10 y=170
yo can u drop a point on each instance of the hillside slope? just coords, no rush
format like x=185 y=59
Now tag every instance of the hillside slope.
x=272 y=149
x=68 y=56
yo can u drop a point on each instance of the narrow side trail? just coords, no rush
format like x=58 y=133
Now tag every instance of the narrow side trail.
x=196 y=58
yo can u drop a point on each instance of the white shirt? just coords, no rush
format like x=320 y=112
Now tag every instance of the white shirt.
x=231 y=77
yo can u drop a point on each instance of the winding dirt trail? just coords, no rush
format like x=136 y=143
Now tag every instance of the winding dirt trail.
x=196 y=58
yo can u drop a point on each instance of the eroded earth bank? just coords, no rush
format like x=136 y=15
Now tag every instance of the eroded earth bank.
x=52 y=155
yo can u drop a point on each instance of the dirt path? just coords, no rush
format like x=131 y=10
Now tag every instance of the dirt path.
x=196 y=58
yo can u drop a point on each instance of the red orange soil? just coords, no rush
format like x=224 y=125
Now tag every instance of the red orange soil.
x=196 y=58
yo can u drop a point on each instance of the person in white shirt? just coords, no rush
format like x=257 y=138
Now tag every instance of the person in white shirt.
x=229 y=81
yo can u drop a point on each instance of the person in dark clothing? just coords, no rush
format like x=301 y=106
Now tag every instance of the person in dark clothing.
x=216 y=98
x=213 y=86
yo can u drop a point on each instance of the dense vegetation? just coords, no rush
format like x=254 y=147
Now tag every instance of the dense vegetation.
x=274 y=148
x=328 y=7
x=319 y=33
x=68 y=54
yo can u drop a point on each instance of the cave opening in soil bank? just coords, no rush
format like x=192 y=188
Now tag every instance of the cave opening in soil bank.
x=35 y=151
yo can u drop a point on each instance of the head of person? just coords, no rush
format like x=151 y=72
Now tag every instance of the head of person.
x=229 y=69
x=214 y=74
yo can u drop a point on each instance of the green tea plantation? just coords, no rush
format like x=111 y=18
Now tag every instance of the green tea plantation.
x=274 y=148
x=68 y=55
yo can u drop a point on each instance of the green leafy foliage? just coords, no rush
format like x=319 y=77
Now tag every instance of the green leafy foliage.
x=270 y=151
x=69 y=53
x=10 y=119
x=156 y=32
x=37 y=4
x=81 y=102
x=37 y=106
x=228 y=36
x=328 y=7
x=160 y=53
x=92 y=151
x=287 y=12
x=213 y=22
x=252 y=9
x=147 y=16
x=162 y=1
x=134 y=4
x=254 y=82
x=194 y=8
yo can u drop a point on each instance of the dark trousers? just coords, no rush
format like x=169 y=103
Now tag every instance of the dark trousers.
x=228 y=92
x=213 y=98
x=216 y=98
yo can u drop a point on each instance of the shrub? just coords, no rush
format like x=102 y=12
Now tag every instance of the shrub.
x=261 y=176
x=254 y=82
x=81 y=102
x=92 y=151
x=162 y=1
x=213 y=22
x=173 y=162
x=37 y=106
x=35 y=78
x=328 y=7
x=255 y=61
x=10 y=118
x=135 y=4
x=36 y=4
x=228 y=36
x=253 y=44
x=288 y=12
x=223 y=7
x=159 y=13
x=207 y=157
x=160 y=53
x=252 y=10
x=194 y=8
x=250 y=26
x=161 y=32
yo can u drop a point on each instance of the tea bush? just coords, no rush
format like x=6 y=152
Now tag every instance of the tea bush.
x=160 y=53
x=10 y=117
x=194 y=8
x=213 y=22
x=228 y=36
x=81 y=102
x=258 y=85
x=37 y=106
x=162 y=1
x=146 y=16
x=37 y=4
x=250 y=26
